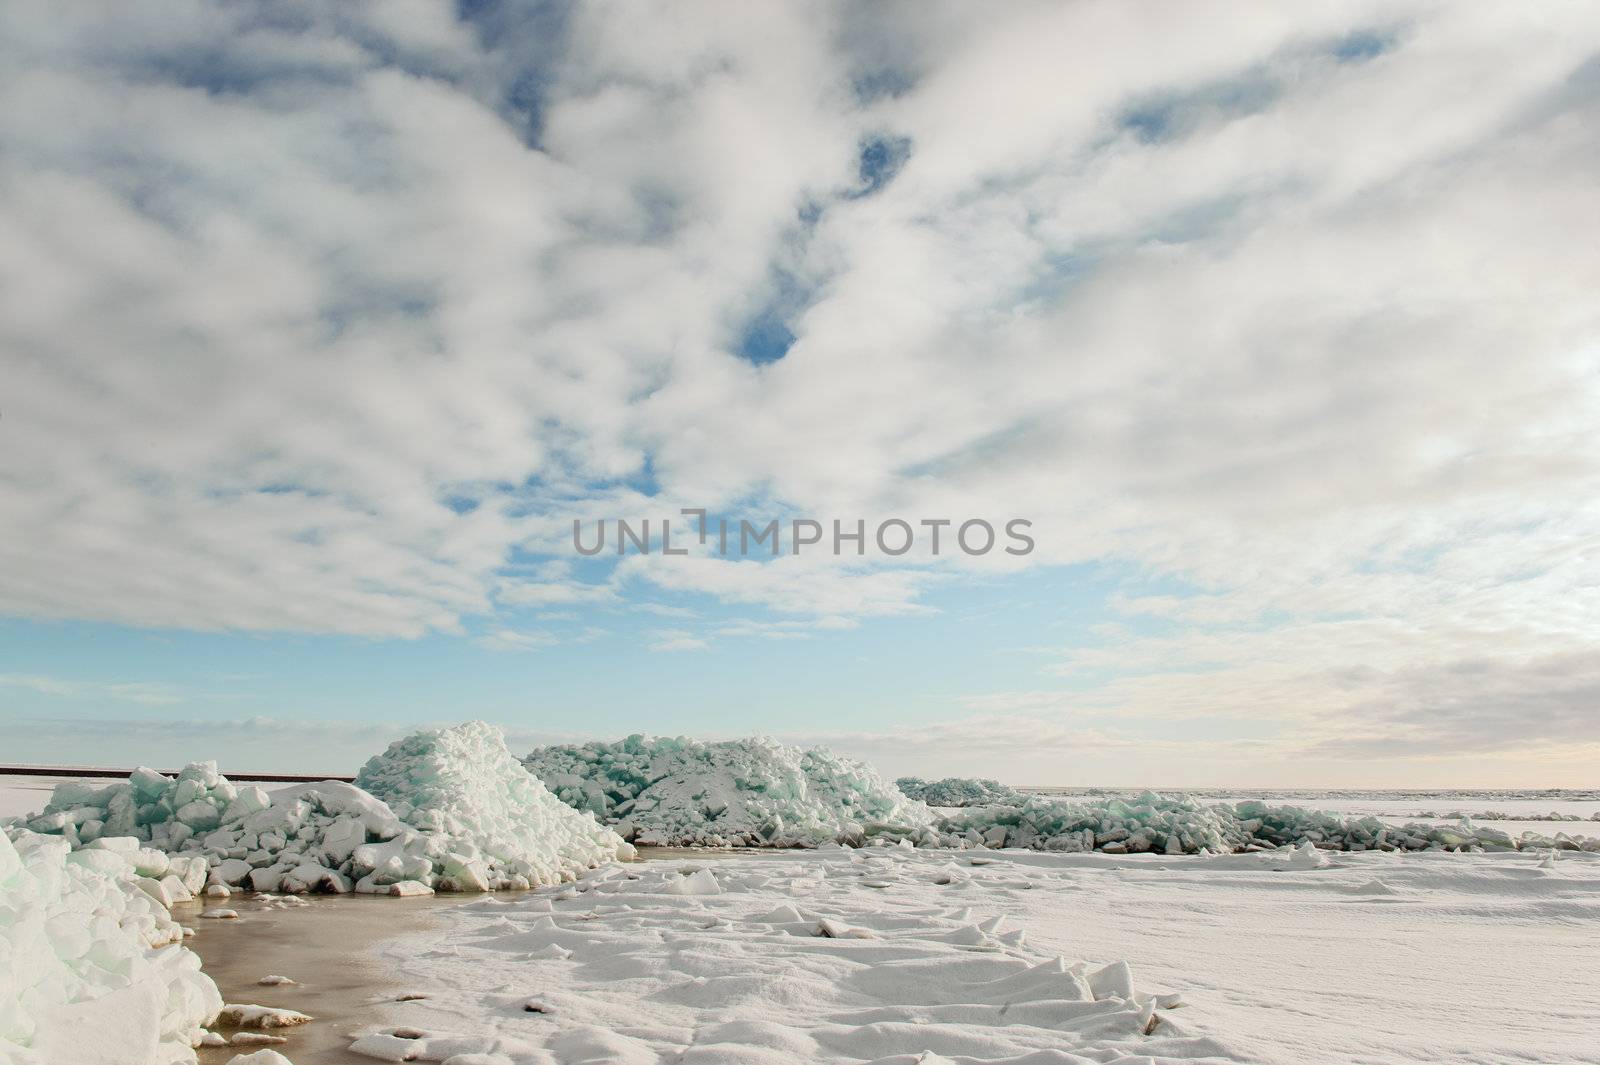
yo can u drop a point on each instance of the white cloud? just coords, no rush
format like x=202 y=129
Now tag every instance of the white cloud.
x=677 y=640
x=665 y=611
x=516 y=640
x=553 y=593
x=819 y=585
x=117 y=691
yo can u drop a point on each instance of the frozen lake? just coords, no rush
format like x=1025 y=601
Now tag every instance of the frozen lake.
x=884 y=953
x=1373 y=959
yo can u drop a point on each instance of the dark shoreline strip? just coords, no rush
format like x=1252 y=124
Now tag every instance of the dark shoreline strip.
x=80 y=771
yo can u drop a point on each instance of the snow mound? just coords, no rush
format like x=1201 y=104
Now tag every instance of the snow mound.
x=476 y=818
x=958 y=791
x=1181 y=825
x=751 y=792
x=93 y=970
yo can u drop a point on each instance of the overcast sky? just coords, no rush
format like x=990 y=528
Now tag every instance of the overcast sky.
x=321 y=322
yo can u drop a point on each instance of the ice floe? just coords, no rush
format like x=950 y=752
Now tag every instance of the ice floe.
x=92 y=966
x=260 y=1057
x=251 y=1016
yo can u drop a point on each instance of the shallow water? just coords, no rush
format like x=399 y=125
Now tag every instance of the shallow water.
x=326 y=945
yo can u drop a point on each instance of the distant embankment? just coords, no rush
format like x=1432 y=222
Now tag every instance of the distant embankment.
x=100 y=771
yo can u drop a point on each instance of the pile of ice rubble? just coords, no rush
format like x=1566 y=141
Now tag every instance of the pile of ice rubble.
x=958 y=791
x=751 y=792
x=448 y=809
x=453 y=809
x=1181 y=825
x=757 y=792
x=476 y=816
x=92 y=967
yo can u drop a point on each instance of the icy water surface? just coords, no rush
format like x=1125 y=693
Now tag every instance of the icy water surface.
x=325 y=944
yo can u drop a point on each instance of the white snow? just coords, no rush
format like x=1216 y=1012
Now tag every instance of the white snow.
x=260 y=1057
x=92 y=967
x=757 y=960
x=1371 y=958
x=751 y=792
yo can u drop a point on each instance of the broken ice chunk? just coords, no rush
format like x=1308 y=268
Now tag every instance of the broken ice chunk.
x=251 y=1016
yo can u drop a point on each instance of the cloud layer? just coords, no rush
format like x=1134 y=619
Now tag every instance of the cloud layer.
x=328 y=318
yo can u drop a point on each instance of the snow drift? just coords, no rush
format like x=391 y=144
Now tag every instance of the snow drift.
x=751 y=792
x=92 y=967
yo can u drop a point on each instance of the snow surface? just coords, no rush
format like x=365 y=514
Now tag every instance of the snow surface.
x=746 y=960
x=751 y=792
x=889 y=954
x=92 y=966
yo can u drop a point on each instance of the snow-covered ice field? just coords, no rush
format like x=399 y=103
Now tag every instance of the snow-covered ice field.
x=889 y=953
x=901 y=954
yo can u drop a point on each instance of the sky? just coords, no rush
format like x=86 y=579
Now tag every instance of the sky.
x=321 y=324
